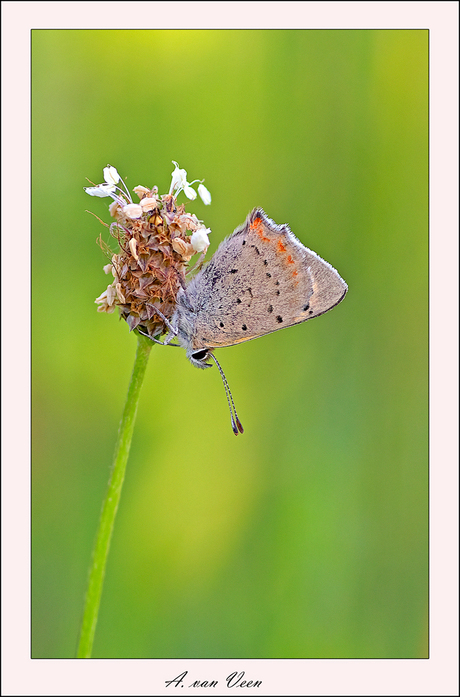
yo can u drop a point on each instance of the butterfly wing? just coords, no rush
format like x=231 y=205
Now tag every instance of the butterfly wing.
x=259 y=280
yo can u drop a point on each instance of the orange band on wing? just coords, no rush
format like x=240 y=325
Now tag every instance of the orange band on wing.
x=258 y=228
x=281 y=247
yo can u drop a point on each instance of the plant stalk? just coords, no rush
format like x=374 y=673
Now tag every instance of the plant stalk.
x=111 y=501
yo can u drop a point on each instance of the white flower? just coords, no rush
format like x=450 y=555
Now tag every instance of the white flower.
x=179 y=183
x=111 y=175
x=199 y=239
x=102 y=190
x=190 y=193
x=179 y=179
x=132 y=210
x=110 y=187
x=204 y=194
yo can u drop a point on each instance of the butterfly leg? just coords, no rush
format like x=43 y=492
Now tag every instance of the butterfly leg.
x=165 y=320
x=172 y=331
x=166 y=342
x=139 y=331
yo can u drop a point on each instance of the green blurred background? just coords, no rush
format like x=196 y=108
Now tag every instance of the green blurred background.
x=307 y=536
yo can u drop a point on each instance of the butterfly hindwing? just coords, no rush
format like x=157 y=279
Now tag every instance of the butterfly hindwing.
x=259 y=280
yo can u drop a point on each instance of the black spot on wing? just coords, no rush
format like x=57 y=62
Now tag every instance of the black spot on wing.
x=215 y=277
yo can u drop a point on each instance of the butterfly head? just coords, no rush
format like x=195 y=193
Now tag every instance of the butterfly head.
x=199 y=357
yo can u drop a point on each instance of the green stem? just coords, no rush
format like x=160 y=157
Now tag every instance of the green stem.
x=111 y=501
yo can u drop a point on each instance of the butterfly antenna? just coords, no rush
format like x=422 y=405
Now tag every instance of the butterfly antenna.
x=236 y=423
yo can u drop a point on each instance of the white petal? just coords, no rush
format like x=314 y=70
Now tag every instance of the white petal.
x=199 y=239
x=179 y=178
x=141 y=190
x=190 y=193
x=132 y=210
x=204 y=194
x=111 y=175
x=102 y=190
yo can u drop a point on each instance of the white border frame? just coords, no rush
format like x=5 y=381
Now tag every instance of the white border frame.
x=437 y=675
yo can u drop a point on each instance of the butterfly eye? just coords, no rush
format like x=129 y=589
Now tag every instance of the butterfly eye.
x=200 y=355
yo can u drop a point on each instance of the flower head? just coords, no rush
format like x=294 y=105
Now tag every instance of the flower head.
x=157 y=239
